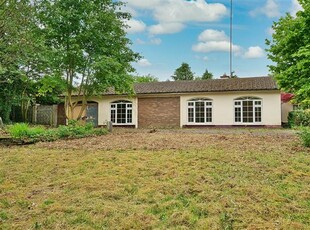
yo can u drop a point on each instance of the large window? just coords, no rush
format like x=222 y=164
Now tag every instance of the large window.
x=199 y=111
x=248 y=110
x=121 y=112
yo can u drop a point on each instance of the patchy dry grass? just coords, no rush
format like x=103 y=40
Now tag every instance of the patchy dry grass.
x=180 y=179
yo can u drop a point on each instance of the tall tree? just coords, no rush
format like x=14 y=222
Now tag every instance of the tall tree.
x=184 y=72
x=19 y=55
x=207 y=75
x=289 y=49
x=88 y=45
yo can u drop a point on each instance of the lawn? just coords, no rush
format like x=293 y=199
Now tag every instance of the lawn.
x=177 y=179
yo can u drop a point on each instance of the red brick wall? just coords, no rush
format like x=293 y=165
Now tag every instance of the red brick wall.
x=162 y=112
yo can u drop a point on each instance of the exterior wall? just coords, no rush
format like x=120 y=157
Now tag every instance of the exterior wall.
x=77 y=111
x=286 y=108
x=104 y=109
x=223 y=107
x=159 y=112
x=170 y=110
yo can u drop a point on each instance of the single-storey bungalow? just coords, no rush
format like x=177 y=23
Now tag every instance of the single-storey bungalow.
x=254 y=101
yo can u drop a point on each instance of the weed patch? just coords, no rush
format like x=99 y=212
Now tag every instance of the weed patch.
x=31 y=134
x=304 y=135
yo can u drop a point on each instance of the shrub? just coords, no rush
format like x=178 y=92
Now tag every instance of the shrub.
x=299 y=118
x=76 y=129
x=23 y=130
x=39 y=133
x=304 y=135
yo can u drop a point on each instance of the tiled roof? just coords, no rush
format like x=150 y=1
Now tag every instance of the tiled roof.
x=212 y=85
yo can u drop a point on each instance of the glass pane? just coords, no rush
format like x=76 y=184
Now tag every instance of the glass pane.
x=113 y=116
x=258 y=114
x=237 y=102
x=247 y=111
x=190 y=114
x=129 y=116
x=238 y=114
x=129 y=105
x=121 y=113
x=258 y=102
x=208 y=114
x=208 y=103
x=199 y=112
x=190 y=103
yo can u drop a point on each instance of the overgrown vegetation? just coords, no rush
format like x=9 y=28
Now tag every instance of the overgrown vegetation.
x=300 y=119
x=47 y=46
x=74 y=129
x=304 y=135
x=289 y=51
x=170 y=179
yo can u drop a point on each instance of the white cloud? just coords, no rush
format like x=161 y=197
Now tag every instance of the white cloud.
x=144 y=62
x=214 y=40
x=140 y=41
x=187 y=11
x=128 y=9
x=152 y=41
x=212 y=35
x=135 y=26
x=295 y=8
x=166 y=28
x=254 y=52
x=270 y=9
x=144 y=4
x=155 y=41
x=212 y=46
x=173 y=15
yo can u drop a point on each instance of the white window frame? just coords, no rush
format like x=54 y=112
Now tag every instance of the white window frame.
x=128 y=107
x=208 y=104
x=256 y=103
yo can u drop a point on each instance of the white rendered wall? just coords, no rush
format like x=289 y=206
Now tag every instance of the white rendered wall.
x=286 y=108
x=223 y=107
x=104 y=108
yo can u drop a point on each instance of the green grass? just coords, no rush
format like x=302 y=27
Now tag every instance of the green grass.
x=236 y=182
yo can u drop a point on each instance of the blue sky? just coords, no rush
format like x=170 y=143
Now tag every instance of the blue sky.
x=169 y=32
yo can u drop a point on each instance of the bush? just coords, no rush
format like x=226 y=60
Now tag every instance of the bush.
x=23 y=130
x=75 y=129
x=299 y=118
x=304 y=135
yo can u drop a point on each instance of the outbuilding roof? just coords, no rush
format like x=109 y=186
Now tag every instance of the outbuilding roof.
x=212 y=85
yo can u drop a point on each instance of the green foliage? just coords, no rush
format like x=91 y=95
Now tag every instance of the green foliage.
x=23 y=130
x=207 y=75
x=183 y=73
x=289 y=49
x=87 y=41
x=304 y=135
x=75 y=129
x=22 y=61
x=299 y=118
x=49 y=89
x=38 y=133
x=146 y=78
